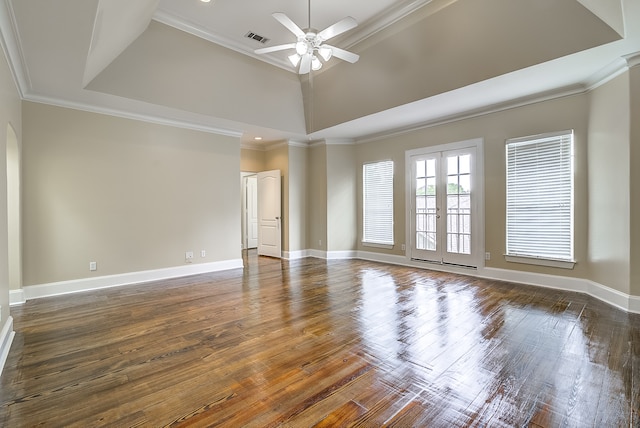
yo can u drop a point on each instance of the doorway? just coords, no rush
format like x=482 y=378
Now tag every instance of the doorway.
x=249 y=211
x=445 y=200
x=261 y=212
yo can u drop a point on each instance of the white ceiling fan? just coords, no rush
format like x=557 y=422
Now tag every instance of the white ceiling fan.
x=310 y=46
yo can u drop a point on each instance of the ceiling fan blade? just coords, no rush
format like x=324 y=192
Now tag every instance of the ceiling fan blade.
x=339 y=27
x=287 y=22
x=305 y=64
x=275 y=48
x=342 y=54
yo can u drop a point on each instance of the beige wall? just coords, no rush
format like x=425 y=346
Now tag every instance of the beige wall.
x=609 y=192
x=342 y=225
x=555 y=115
x=297 y=197
x=634 y=91
x=278 y=158
x=251 y=160
x=291 y=160
x=317 y=197
x=10 y=115
x=135 y=196
x=130 y=195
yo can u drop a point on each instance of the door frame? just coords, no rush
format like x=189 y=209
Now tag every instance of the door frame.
x=478 y=223
x=245 y=214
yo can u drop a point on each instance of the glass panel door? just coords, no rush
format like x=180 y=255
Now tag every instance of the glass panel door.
x=426 y=212
x=443 y=207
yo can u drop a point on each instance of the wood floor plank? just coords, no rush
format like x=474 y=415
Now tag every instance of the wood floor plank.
x=322 y=343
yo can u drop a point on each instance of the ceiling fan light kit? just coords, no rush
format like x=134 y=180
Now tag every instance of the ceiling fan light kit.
x=309 y=45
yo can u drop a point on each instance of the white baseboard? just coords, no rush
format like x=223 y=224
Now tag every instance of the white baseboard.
x=294 y=255
x=6 y=338
x=634 y=304
x=601 y=292
x=383 y=258
x=538 y=279
x=405 y=261
x=86 y=284
x=616 y=298
x=606 y=294
x=341 y=255
x=318 y=254
x=16 y=297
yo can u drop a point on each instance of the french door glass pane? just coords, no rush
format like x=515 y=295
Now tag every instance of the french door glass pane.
x=459 y=204
x=465 y=164
x=425 y=199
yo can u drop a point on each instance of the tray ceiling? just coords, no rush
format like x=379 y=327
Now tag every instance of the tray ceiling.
x=188 y=63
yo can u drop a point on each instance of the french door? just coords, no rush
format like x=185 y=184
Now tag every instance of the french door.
x=444 y=207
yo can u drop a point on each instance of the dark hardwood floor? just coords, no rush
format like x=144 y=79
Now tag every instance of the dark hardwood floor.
x=314 y=343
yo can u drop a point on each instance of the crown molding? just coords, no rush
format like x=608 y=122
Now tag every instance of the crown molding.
x=632 y=59
x=373 y=26
x=12 y=47
x=382 y=21
x=252 y=146
x=507 y=105
x=317 y=143
x=339 y=141
x=275 y=145
x=606 y=74
x=302 y=144
x=91 y=108
x=187 y=26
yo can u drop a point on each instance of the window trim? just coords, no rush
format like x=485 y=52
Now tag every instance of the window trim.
x=370 y=242
x=541 y=260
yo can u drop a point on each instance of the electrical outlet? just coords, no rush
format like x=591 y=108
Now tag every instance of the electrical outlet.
x=203 y=253
x=319 y=242
x=404 y=247
x=93 y=266
x=487 y=256
x=188 y=256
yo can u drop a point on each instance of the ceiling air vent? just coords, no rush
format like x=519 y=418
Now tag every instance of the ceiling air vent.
x=254 y=36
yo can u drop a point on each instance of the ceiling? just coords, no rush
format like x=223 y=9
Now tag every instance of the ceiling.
x=188 y=63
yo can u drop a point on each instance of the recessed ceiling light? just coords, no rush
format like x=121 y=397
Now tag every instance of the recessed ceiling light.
x=205 y=1
x=257 y=138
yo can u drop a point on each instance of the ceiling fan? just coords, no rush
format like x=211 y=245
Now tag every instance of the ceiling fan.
x=310 y=46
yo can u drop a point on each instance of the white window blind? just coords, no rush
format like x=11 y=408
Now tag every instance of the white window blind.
x=540 y=196
x=378 y=202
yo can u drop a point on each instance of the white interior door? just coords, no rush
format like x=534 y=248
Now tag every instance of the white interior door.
x=444 y=207
x=269 y=214
x=252 y=210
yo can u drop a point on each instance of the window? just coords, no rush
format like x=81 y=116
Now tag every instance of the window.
x=540 y=199
x=377 y=183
